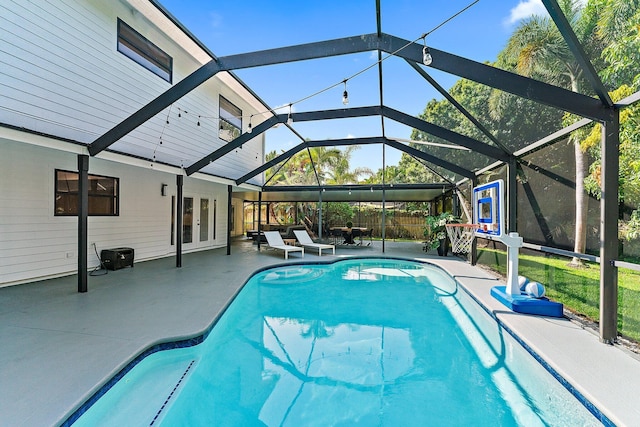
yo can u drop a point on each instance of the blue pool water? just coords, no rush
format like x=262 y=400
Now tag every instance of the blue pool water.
x=356 y=342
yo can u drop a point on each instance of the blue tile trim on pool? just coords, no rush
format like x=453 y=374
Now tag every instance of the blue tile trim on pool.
x=190 y=342
x=579 y=396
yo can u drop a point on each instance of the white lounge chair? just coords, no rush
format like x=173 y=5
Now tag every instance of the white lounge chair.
x=274 y=240
x=305 y=240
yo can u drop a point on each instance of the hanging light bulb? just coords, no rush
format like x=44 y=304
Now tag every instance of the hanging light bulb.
x=427 y=59
x=179 y=115
x=249 y=129
x=345 y=94
x=198 y=120
x=289 y=118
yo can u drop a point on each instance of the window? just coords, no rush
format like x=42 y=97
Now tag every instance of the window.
x=136 y=47
x=103 y=194
x=230 y=120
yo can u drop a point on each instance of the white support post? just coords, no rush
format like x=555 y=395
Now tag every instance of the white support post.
x=514 y=243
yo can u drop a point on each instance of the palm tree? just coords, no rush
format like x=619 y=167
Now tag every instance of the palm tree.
x=341 y=173
x=324 y=159
x=538 y=50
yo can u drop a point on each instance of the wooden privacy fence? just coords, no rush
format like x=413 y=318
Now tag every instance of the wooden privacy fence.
x=398 y=224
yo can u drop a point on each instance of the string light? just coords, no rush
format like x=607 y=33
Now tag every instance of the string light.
x=427 y=59
x=289 y=118
x=198 y=120
x=249 y=129
x=345 y=94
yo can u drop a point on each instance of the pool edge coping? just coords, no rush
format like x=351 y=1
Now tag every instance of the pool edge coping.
x=197 y=337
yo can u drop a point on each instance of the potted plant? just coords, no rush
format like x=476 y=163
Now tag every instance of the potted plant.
x=435 y=231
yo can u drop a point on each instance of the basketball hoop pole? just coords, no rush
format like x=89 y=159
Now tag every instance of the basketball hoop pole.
x=514 y=243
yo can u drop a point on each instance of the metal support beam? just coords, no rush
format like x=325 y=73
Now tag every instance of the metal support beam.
x=229 y=219
x=358 y=141
x=259 y=218
x=83 y=221
x=455 y=203
x=320 y=215
x=429 y=158
x=340 y=113
x=440 y=132
x=271 y=163
x=172 y=94
x=302 y=52
x=609 y=228
x=383 y=231
x=236 y=143
x=512 y=196
x=179 y=209
x=458 y=106
x=505 y=81
x=473 y=255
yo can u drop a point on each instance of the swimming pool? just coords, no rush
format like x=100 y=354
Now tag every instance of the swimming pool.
x=354 y=342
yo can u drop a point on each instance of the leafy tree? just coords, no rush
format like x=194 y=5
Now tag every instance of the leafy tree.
x=619 y=29
x=629 y=179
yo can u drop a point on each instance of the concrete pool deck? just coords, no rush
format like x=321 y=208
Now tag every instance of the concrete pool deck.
x=59 y=347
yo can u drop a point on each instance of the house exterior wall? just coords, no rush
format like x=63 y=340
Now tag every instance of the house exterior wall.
x=36 y=244
x=61 y=74
x=62 y=84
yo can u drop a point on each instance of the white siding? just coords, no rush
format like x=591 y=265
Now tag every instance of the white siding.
x=60 y=74
x=36 y=244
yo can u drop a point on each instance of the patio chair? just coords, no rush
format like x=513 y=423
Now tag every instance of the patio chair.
x=305 y=240
x=274 y=240
x=336 y=235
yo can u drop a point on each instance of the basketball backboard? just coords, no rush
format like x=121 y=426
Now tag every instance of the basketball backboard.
x=488 y=209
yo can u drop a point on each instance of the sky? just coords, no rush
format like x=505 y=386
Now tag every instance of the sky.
x=229 y=27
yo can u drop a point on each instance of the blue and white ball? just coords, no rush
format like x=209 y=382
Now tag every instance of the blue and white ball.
x=535 y=290
x=523 y=282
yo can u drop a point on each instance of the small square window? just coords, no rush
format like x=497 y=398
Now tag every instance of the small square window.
x=230 y=120
x=103 y=194
x=136 y=47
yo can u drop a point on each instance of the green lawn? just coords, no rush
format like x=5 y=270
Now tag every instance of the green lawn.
x=577 y=289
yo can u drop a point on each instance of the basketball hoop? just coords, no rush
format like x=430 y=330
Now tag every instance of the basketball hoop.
x=461 y=236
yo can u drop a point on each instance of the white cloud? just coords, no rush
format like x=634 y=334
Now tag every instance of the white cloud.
x=350 y=136
x=215 y=20
x=525 y=9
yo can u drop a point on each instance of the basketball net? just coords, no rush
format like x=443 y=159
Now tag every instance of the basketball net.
x=461 y=236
